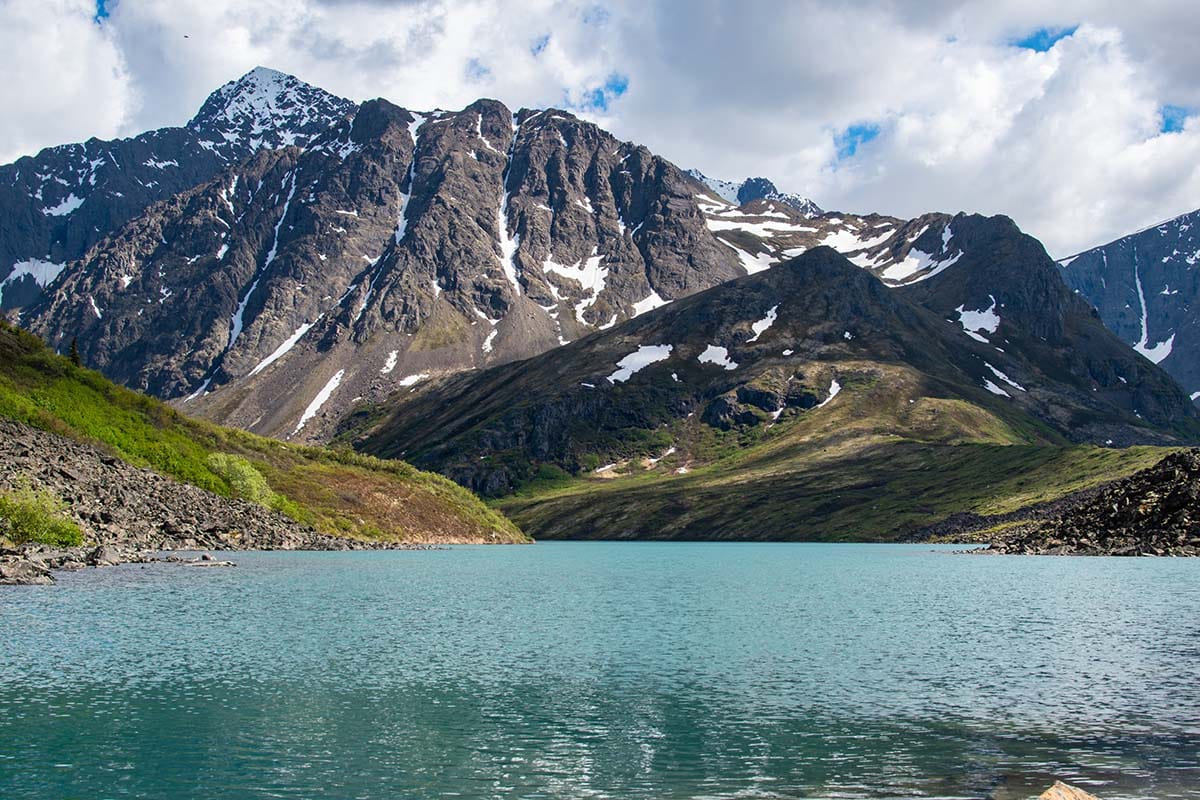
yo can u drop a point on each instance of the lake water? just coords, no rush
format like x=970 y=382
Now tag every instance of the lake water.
x=607 y=670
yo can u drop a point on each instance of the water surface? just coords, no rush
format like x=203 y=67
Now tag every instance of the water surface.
x=608 y=670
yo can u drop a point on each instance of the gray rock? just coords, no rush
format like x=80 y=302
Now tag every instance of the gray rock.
x=20 y=571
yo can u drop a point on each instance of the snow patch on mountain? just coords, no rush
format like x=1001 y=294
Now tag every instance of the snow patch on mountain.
x=322 y=397
x=638 y=360
x=974 y=323
x=763 y=324
x=43 y=272
x=69 y=204
x=714 y=354
x=268 y=108
x=835 y=389
x=590 y=274
x=648 y=303
x=1004 y=377
x=283 y=349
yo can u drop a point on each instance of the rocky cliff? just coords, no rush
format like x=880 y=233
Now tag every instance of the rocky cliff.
x=1155 y=512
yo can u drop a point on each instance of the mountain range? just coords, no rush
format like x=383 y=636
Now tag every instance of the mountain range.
x=460 y=286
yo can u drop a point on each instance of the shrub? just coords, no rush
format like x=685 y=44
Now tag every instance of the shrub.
x=246 y=481
x=31 y=515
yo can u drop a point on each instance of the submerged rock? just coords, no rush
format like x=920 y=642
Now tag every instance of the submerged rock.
x=1062 y=791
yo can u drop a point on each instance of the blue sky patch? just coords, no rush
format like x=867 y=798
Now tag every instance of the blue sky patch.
x=101 y=10
x=539 y=44
x=476 y=70
x=596 y=15
x=599 y=98
x=1043 y=39
x=849 y=140
x=1173 y=118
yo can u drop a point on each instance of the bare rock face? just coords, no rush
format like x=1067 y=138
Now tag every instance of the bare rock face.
x=1062 y=791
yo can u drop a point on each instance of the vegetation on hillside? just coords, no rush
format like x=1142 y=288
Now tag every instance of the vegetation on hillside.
x=879 y=463
x=336 y=491
x=30 y=515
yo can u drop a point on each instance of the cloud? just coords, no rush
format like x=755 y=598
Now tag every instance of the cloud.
x=64 y=77
x=1075 y=120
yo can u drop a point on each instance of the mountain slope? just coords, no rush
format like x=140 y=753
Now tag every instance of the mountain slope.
x=396 y=245
x=56 y=205
x=814 y=366
x=1147 y=290
x=337 y=493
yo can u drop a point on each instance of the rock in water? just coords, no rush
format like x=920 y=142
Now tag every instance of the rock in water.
x=19 y=571
x=1062 y=791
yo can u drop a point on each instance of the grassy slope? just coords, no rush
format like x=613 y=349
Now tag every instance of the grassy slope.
x=337 y=492
x=869 y=466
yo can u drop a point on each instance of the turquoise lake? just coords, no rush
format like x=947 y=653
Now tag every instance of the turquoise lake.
x=605 y=670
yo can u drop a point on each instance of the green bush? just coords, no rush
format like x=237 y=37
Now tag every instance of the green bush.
x=30 y=515
x=246 y=481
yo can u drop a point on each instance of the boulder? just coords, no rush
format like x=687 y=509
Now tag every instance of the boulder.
x=19 y=571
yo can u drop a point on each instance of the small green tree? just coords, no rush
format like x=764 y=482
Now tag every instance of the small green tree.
x=246 y=481
x=75 y=359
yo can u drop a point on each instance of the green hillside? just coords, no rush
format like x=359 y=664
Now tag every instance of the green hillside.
x=851 y=471
x=335 y=491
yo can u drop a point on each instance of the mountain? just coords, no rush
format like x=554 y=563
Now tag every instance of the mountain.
x=135 y=472
x=56 y=205
x=1147 y=291
x=396 y=245
x=806 y=392
x=752 y=189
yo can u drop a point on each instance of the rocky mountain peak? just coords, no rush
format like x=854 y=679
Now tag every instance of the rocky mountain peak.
x=268 y=108
x=755 y=189
x=752 y=189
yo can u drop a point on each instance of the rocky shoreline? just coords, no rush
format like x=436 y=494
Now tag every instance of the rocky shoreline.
x=1155 y=512
x=133 y=515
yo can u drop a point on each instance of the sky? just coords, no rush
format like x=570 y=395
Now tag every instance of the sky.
x=1079 y=119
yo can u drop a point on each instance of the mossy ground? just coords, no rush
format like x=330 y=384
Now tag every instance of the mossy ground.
x=335 y=491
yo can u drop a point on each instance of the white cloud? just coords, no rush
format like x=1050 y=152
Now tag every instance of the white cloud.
x=64 y=78
x=1066 y=141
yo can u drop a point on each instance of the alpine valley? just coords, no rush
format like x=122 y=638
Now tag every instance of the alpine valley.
x=604 y=343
